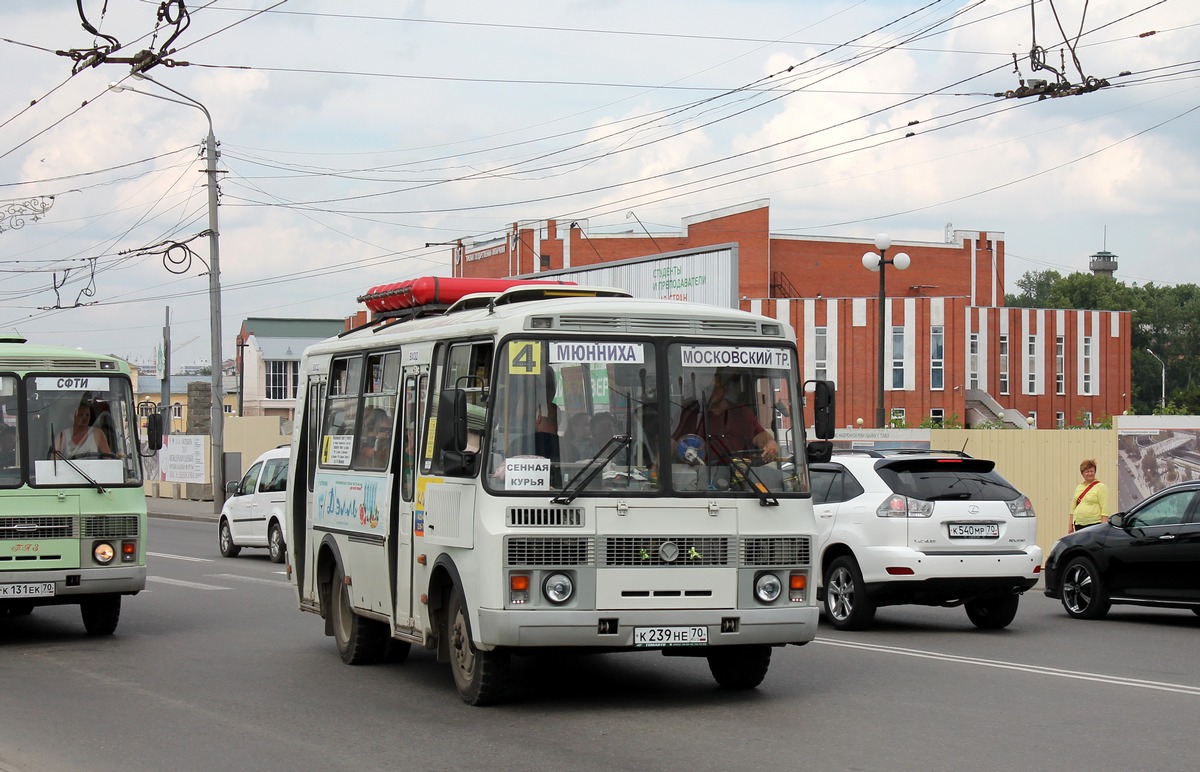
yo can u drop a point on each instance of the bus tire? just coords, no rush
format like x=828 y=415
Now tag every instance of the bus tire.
x=100 y=614
x=739 y=667
x=17 y=608
x=360 y=641
x=481 y=676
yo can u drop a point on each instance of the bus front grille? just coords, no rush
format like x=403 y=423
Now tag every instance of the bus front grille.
x=571 y=517
x=111 y=527
x=37 y=527
x=775 y=551
x=667 y=551
x=549 y=551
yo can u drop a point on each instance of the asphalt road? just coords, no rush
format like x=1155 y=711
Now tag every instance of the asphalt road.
x=214 y=668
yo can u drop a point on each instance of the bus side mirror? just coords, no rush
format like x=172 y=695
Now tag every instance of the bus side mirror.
x=154 y=431
x=450 y=438
x=823 y=410
x=819 y=451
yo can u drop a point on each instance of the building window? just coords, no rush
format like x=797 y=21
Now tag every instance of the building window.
x=821 y=353
x=1004 y=364
x=937 y=357
x=1087 y=418
x=937 y=416
x=1060 y=420
x=973 y=364
x=177 y=410
x=1031 y=364
x=1060 y=361
x=228 y=409
x=1033 y=418
x=897 y=357
x=283 y=378
x=898 y=416
x=1087 y=369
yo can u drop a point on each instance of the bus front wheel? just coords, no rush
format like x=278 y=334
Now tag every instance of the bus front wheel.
x=360 y=641
x=481 y=676
x=739 y=667
x=101 y=614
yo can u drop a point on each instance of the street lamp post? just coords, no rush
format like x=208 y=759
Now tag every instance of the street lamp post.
x=1163 y=399
x=876 y=262
x=217 y=422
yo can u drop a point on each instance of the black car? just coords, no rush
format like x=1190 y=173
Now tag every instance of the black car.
x=1148 y=556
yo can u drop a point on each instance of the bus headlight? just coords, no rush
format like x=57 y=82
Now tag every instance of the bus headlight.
x=767 y=588
x=558 y=588
x=103 y=553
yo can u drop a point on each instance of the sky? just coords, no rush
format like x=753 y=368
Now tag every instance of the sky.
x=353 y=133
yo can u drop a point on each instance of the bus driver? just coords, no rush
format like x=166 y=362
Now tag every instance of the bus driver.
x=725 y=427
x=82 y=438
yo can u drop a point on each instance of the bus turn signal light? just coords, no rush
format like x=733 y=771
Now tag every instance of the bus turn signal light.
x=518 y=588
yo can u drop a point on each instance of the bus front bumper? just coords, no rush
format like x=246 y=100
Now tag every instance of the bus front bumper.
x=78 y=582
x=615 y=629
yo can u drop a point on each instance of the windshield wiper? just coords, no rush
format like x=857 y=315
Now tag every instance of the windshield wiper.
x=592 y=468
x=750 y=479
x=56 y=454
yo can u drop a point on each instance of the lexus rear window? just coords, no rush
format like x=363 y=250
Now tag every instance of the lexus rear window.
x=947 y=480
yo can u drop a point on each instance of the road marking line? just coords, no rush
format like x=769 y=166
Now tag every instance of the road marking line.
x=1050 y=671
x=178 y=557
x=256 y=579
x=181 y=583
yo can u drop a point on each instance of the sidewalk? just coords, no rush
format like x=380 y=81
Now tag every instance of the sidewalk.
x=180 y=509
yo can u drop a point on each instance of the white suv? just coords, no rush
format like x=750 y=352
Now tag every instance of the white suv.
x=925 y=527
x=253 y=514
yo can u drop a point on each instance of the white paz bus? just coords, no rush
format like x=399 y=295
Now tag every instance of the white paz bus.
x=492 y=468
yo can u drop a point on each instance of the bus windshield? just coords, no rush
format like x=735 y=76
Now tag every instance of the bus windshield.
x=80 y=431
x=563 y=411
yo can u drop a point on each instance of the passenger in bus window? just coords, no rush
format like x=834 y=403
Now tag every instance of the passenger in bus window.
x=724 y=426
x=376 y=436
x=578 y=442
x=8 y=445
x=603 y=428
x=82 y=439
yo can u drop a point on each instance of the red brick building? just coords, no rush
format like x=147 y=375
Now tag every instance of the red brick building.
x=952 y=347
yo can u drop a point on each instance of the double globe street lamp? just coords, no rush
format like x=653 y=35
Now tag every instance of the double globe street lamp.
x=873 y=261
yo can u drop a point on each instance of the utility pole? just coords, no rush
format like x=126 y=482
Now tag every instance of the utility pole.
x=165 y=403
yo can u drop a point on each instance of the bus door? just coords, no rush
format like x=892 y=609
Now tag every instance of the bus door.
x=412 y=409
x=304 y=469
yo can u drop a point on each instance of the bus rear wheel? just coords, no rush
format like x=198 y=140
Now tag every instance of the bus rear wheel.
x=360 y=641
x=100 y=614
x=481 y=676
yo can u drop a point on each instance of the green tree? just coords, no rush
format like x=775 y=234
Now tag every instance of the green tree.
x=1035 y=290
x=1166 y=320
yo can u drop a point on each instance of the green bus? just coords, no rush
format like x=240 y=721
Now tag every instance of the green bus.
x=72 y=508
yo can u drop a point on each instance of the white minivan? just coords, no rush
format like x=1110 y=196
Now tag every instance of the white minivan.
x=253 y=512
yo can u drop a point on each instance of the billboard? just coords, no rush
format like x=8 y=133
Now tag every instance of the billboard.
x=700 y=276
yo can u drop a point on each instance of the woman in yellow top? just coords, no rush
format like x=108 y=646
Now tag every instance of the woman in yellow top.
x=1089 y=505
